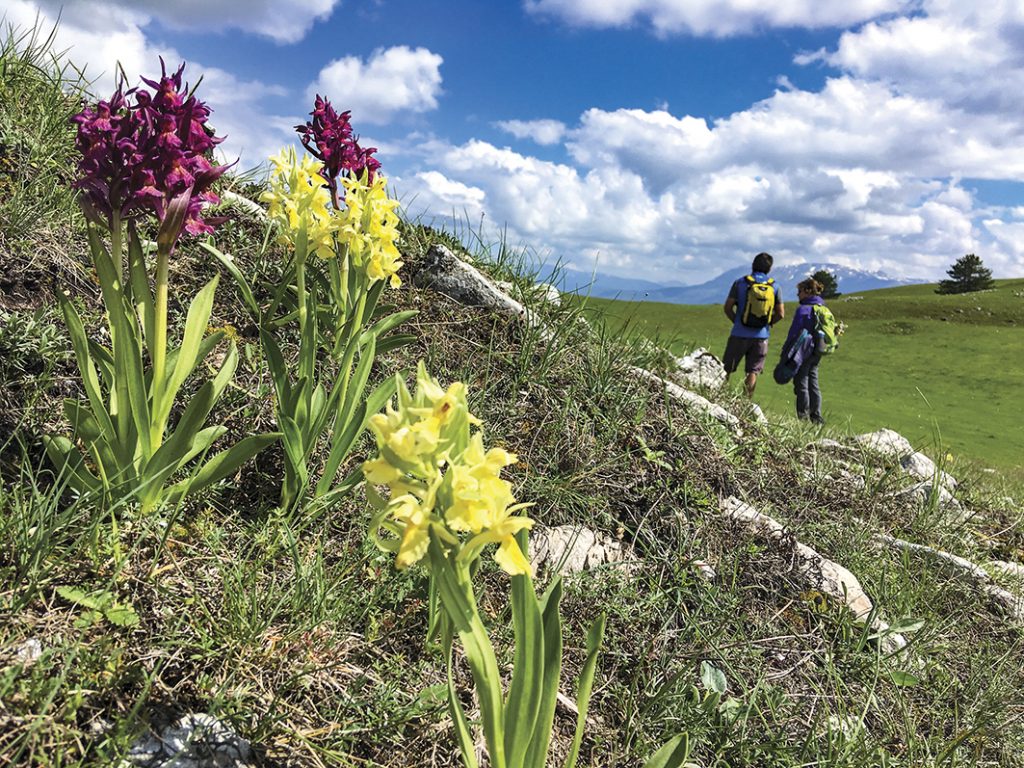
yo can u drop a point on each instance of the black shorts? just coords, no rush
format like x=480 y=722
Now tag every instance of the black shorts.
x=739 y=347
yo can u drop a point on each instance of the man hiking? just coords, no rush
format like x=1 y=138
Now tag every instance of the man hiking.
x=754 y=305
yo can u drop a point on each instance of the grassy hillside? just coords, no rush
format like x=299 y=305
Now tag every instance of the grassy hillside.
x=943 y=370
x=290 y=626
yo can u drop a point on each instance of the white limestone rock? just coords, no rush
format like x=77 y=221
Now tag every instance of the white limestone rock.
x=817 y=571
x=886 y=442
x=194 y=741
x=443 y=271
x=700 y=368
x=575 y=548
x=920 y=466
x=691 y=399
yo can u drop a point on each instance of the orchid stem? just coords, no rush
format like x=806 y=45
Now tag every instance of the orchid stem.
x=159 y=351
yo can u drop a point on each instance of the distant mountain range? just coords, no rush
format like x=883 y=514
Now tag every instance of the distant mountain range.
x=714 y=291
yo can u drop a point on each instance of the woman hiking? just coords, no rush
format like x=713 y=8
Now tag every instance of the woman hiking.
x=805 y=382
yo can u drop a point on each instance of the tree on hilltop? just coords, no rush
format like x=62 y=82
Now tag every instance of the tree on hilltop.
x=967 y=274
x=829 y=282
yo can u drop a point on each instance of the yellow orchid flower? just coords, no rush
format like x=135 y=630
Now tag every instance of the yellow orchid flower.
x=299 y=204
x=369 y=227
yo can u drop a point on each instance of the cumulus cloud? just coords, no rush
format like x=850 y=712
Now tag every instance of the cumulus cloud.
x=713 y=17
x=545 y=132
x=392 y=80
x=285 y=21
x=967 y=54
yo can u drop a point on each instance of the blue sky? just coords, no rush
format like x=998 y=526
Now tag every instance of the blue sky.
x=663 y=139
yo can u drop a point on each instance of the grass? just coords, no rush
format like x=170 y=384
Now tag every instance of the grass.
x=938 y=369
x=296 y=631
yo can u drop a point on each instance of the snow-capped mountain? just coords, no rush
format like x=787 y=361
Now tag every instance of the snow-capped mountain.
x=714 y=291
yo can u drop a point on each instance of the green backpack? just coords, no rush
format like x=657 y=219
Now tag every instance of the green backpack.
x=826 y=329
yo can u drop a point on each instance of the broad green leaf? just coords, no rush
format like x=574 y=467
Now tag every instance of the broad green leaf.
x=906 y=625
x=196 y=323
x=80 y=344
x=713 y=678
x=139 y=282
x=525 y=690
x=122 y=616
x=536 y=757
x=457 y=599
x=69 y=463
x=223 y=465
x=673 y=754
x=344 y=434
x=98 y=599
x=594 y=638
x=381 y=327
x=243 y=285
x=903 y=678
x=391 y=343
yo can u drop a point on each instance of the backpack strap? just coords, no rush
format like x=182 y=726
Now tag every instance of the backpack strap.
x=750 y=279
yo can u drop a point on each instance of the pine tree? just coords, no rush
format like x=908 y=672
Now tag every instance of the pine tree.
x=830 y=283
x=967 y=274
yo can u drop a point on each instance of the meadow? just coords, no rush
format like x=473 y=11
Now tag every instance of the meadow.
x=271 y=597
x=943 y=370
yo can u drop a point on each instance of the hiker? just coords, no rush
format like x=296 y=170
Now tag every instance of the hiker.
x=805 y=380
x=754 y=305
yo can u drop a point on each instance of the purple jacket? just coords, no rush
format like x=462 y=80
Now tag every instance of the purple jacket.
x=803 y=320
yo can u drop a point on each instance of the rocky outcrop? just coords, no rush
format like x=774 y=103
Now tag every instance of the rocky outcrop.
x=194 y=741
x=1007 y=601
x=691 y=399
x=442 y=271
x=574 y=548
x=816 y=570
x=700 y=368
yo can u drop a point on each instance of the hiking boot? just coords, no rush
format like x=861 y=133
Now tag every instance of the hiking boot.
x=818 y=420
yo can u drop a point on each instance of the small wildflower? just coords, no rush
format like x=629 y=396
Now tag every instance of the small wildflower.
x=147 y=152
x=329 y=138
x=369 y=227
x=299 y=205
x=442 y=478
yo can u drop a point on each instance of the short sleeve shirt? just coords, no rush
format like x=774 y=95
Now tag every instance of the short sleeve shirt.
x=738 y=291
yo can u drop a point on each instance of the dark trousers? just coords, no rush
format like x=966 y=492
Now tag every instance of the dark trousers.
x=805 y=386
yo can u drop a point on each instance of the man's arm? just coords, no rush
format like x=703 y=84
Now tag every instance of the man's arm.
x=779 y=312
x=730 y=309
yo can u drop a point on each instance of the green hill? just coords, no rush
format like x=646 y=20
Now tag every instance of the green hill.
x=935 y=368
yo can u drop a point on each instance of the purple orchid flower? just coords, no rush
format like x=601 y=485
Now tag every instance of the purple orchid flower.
x=145 y=156
x=328 y=137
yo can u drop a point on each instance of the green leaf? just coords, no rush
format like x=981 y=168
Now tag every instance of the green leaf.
x=391 y=343
x=70 y=464
x=673 y=754
x=122 y=616
x=99 y=599
x=381 y=327
x=80 y=344
x=903 y=678
x=536 y=756
x=223 y=465
x=594 y=638
x=713 y=678
x=526 y=688
x=243 y=285
x=343 y=439
x=906 y=625
x=139 y=282
x=196 y=323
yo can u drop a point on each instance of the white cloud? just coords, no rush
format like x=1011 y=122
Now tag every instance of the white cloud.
x=545 y=132
x=284 y=21
x=714 y=17
x=392 y=80
x=965 y=53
